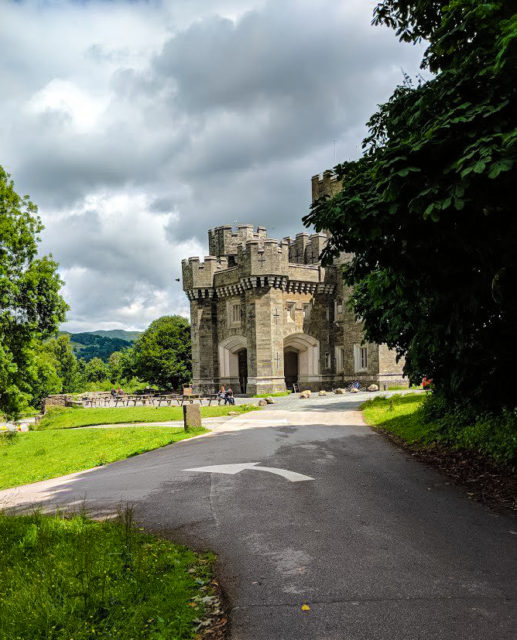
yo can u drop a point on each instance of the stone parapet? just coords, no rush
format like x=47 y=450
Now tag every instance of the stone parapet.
x=224 y=241
x=198 y=274
x=325 y=185
x=305 y=248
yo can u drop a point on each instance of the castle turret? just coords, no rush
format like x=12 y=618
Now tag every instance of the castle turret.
x=326 y=185
x=263 y=257
x=222 y=241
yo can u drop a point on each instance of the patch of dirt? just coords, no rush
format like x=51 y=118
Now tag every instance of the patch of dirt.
x=485 y=481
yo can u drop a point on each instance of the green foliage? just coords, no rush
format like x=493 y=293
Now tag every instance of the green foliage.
x=67 y=366
x=162 y=354
x=46 y=379
x=30 y=304
x=427 y=212
x=90 y=345
x=76 y=578
x=115 y=366
x=96 y=370
x=66 y=418
x=40 y=455
x=428 y=420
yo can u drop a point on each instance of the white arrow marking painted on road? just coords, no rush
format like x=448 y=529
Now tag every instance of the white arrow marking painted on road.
x=232 y=469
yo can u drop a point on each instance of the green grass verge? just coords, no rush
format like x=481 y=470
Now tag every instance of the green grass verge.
x=398 y=415
x=491 y=435
x=402 y=387
x=40 y=455
x=279 y=394
x=61 y=418
x=76 y=579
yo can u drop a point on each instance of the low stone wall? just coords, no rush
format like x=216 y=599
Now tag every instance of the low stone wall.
x=54 y=401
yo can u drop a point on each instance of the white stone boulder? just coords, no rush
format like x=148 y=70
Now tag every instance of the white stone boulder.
x=354 y=390
x=373 y=387
x=269 y=400
x=339 y=391
x=322 y=393
x=262 y=402
x=304 y=395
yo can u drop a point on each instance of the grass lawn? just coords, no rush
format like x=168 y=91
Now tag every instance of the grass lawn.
x=278 y=394
x=399 y=387
x=40 y=455
x=61 y=418
x=399 y=415
x=76 y=579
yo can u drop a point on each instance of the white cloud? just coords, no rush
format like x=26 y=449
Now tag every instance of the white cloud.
x=80 y=107
x=137 y=125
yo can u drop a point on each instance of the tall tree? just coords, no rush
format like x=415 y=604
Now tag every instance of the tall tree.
x=427 y=212
x=96 y=370
x=66 y=362
x=162 y=354
x=31 y=306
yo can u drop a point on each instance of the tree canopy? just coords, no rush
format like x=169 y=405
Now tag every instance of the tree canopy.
x=31 y=306
x=162 y=354
x=427 y=211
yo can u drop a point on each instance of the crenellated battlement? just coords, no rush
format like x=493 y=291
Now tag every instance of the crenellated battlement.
x=305 y=248
x=224 y=241
x=325 y=185
x=197 y=274
x=263 y=256
x=250 y=253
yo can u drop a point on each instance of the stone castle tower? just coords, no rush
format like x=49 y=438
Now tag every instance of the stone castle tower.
x=265 y=314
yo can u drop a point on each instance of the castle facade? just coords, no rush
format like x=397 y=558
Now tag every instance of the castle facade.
x=266 y=315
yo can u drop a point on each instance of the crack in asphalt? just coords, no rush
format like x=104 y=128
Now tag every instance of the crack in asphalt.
x=358 y=601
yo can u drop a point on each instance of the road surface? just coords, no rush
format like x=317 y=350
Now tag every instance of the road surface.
x=377 y=545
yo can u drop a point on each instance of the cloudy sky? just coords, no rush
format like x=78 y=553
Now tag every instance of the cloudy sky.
x=137 y=125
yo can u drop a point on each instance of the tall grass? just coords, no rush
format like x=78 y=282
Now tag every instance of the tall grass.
x=64 y=579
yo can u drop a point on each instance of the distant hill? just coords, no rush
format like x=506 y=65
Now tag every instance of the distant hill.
x=100 y=344
x=129 y=336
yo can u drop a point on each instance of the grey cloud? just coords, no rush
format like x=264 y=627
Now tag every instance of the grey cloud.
x=225 y=124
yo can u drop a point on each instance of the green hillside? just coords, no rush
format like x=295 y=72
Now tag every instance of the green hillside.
x=128 y=336
x=100 y=344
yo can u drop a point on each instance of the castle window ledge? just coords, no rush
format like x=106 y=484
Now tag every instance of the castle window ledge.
x=302 y=265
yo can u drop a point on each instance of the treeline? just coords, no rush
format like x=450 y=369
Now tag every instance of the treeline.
x=37 y=361
x=160 y=357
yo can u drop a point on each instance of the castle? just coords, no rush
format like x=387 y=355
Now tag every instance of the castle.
x=266 y=315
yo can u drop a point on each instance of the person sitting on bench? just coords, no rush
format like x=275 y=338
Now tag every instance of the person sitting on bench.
x=228 y=397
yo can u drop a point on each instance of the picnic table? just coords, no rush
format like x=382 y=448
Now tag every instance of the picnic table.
x=126 y=399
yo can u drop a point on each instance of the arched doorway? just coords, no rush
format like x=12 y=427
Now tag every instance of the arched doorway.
x=290 y=367
x=301 y=360
x=233 y=363
x=242 y=357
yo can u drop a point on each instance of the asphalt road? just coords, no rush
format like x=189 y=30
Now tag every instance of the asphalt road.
x=379 y=546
